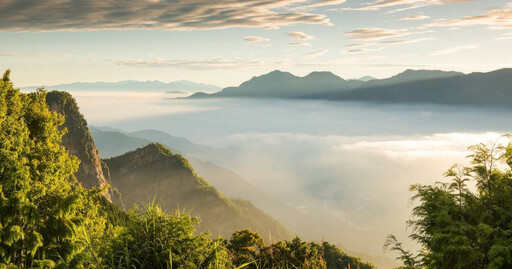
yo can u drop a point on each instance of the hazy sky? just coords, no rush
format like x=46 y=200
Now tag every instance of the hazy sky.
x=227 y=42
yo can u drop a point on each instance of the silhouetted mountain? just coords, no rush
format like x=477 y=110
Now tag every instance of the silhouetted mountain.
x=410 y=75
x=114 y=143
x=493 y=88
x=134 y=86
x=278 y=84
x=154 y=172
x=366 y=78
x=176 y=143
x=316 y=85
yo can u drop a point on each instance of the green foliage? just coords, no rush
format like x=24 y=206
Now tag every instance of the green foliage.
x=335 y=258
x=176 y=185
x=48 y=220
x=45 y=214
x=245 y=246
x=154 y=239
x=249 y=250
x=460 y=228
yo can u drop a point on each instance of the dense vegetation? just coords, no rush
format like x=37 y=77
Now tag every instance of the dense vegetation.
x=48 y=220
x=458 y=227
x=154 y=172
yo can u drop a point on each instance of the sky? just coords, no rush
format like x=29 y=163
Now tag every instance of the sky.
x=227 y=42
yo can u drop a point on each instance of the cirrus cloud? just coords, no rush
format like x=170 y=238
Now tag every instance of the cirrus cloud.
x=403 y=4
x=454 y=49
x=299 y=36
x=497 y=18
x=300 y=44
x=69 y=15
x=414 y=18
x=374 y=33
x=211 y=63
x=256 y=39
x=316 y=53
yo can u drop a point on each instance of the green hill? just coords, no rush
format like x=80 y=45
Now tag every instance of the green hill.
x=154 y=172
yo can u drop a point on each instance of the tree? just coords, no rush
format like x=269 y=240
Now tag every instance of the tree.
x=46 y=217
x=459 y=228
x=335 y=258
x=245 y=247
x=293 y=254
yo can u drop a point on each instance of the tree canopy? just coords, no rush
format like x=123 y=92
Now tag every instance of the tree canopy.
x=460 y=226
x=48 y=220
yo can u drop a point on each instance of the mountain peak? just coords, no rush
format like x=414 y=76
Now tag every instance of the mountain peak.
x=324 y=76
x=321 y=74
x=277 y=73
x=78 y=140
x=366 y=78
x=152 y=173
x=157 y=148
x=410 y=75
x=427 y=72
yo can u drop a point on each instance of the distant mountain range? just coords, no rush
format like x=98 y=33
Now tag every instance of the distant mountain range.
x=278 y=84
x=366 y=78
x=317 y=85
x=133 y=86
x=410 y=86
x=489 y=89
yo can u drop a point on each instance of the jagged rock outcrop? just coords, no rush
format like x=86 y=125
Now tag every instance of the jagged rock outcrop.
x=155 y=173
x=78 y=141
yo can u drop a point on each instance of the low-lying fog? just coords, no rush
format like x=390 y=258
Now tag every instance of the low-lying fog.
x=354 y=161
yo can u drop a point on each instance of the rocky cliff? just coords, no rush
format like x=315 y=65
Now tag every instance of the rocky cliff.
x=78 y=141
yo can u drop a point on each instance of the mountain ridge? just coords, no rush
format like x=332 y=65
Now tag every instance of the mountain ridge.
x=154 y=172
x=479 y=88
x=315 y=85
x=133 y=85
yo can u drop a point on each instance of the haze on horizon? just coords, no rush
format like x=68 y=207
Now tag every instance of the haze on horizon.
x=227 y=42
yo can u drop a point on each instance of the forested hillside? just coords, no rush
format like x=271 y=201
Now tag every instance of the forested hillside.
x=49 y=220
x=155 y=173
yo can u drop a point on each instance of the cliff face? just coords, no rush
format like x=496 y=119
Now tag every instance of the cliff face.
x=155 y=173
x=78 y=141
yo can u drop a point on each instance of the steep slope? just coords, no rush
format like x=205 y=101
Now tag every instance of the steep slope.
x=278 y=84
x=491 y=89
x=114 y=143
x=78 y=141
x=235 y=186
x=155 y=172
